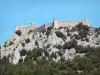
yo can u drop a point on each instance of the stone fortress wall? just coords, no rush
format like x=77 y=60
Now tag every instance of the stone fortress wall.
x=59 y=23
x=56 y=24
x=26 y=28
x=44 y=27
x=30 y=26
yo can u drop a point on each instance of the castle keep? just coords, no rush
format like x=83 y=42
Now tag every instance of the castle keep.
x=56 y=24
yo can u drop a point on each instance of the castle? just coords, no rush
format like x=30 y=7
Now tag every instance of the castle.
x=56 y=24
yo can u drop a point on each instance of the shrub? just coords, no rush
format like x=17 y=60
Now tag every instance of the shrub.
x=30 y=31
x=38 y=51
x=49 y=28
x=62 y=59
x=83 y=34
x=74 y=43
x=27 y=58
x=43 y=57
x=98 y=31
x=11 y=43
x=60 y=35
x=85 y=27
x=62 y=67
x=46 y=53
x=70 y=44
x=27 y=40
x=45 y=40
x=58 y=46
x=80 y=27
x=40 y=35
x=43 y=32
x=23 y=44
x=20 y=60
x=23 y=52
x=5 y=45
x=48 y=46
x=87 y=40
x=81 y=49
x=18 y=32
x=97 y=43
x=53 y=55
x=29 y=53
x=69 y=34
x=73 y=29
x=34 y=53
x=83 y=30
x=48 y=33
x=77 y=36
x=60 y=53
x=67 y=45
x=14 y=39
x=14 y=49
x=61 y=27
x=36 y=43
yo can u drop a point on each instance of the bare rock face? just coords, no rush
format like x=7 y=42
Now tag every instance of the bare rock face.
x=69 y=54
x=60 y=42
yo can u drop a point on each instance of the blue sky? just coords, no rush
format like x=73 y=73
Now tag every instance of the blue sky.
x=43 y=11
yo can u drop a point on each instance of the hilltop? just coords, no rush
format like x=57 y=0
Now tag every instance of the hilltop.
x=69 y=41
x=56 y=44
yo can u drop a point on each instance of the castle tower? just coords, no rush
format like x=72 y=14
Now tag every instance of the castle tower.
x=56 y=23
x=85 y=21
x=17 y=27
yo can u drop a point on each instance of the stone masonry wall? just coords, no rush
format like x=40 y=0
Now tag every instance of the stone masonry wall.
x=56 y=24
x=59 y=23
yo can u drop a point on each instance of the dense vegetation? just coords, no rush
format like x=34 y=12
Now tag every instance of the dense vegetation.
x=87 y=65
x=83 y=31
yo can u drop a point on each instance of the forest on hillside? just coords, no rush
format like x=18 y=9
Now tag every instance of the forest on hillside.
x=86 y=65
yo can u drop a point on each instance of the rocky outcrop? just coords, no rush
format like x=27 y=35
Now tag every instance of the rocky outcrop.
x=67 y=41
